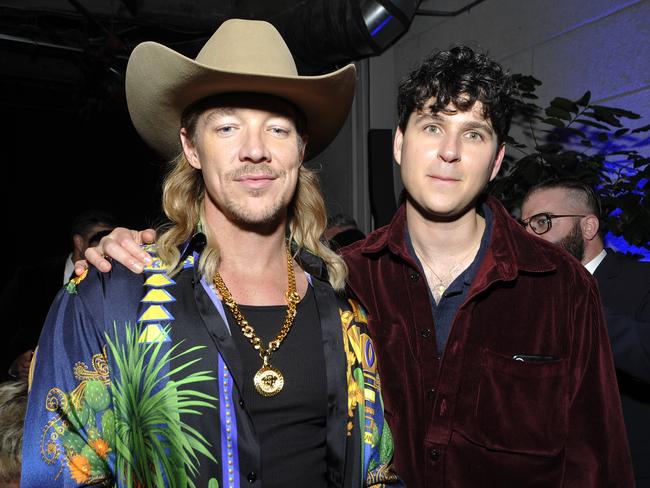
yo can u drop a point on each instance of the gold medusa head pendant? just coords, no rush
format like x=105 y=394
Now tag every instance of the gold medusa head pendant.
x=268 y=381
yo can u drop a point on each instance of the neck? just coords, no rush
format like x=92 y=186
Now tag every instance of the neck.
x=592 y=249
x=253 y=261
x=444 y=240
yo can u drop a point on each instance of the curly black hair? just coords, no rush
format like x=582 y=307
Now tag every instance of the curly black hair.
x=460 y=77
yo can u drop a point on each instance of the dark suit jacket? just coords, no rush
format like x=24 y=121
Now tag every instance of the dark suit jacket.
x=625 y=291
x=25 y=302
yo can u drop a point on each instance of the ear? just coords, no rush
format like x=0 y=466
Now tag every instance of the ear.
x=498 y=159
x=397 y=145
x=189 y=149
x=79 y=244
x=589 y=227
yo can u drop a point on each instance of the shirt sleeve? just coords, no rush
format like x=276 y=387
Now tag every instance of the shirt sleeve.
x=364 y=399
x=69 y=430
x=597 y=450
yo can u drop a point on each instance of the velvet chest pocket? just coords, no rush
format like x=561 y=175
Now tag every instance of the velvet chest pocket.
x=521 y=403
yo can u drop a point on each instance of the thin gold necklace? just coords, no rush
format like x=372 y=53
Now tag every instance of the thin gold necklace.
x=268 y=380
x=439 y=289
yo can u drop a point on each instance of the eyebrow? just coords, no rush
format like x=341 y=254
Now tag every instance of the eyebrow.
x=219 y=111
x=483 y=126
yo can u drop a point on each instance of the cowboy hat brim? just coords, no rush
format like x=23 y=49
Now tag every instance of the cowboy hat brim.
x=161 y=84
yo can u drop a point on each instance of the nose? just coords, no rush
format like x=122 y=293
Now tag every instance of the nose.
x=254 y=148
x=449 y=149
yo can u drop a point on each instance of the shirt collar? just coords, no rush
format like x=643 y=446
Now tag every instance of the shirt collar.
x=68 y=271
x=510 y=248
x=593 y=264
x=469 y=272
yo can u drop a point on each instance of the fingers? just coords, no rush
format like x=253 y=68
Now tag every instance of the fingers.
x=122 y=245
x=96 y=259
x=80 y=266
x=147 y=236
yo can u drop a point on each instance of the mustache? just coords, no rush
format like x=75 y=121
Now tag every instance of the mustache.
x=254 y=170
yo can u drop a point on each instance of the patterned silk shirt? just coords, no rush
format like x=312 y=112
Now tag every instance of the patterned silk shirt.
x=136 y=383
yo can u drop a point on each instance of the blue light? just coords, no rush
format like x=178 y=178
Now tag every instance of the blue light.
x=381 y=26
x=618 y=243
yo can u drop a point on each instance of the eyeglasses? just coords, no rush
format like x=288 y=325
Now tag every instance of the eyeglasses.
x=541 y=223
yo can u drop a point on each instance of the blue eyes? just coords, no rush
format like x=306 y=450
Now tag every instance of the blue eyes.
x=471 y=135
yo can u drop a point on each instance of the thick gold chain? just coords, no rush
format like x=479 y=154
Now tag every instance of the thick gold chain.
x=292 y=300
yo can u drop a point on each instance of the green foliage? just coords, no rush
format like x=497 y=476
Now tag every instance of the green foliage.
x=72 y=441
x=575 y=138
x=152 y=442
x=78 y=417
x=108 y=425
x=98 y=466
x=386 y=445
x=97 y=396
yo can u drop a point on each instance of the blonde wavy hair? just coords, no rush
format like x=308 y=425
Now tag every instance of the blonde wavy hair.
x=13 y=404
x=183 y=203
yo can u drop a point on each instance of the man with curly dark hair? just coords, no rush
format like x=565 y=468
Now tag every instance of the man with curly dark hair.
x=495 y=364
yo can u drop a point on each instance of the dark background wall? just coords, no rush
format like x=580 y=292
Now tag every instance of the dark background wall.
x=62 y=160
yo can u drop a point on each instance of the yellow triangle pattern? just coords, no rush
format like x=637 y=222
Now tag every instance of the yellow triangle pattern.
x=155 y=312
x=157 y=296
x=159 y=280
x=153 y=333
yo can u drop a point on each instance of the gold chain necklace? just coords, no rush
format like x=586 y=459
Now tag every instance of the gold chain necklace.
x=439 y=289
x=268 y=380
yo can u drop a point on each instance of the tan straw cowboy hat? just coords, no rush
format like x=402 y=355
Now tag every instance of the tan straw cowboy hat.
x=241 y=56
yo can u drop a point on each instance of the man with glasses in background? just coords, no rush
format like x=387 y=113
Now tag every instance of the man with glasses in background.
x=567 y=212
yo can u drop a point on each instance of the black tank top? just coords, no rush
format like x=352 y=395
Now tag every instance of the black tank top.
x=292 y=424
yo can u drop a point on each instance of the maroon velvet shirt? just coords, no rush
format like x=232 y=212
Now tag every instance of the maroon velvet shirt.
x=477 y=417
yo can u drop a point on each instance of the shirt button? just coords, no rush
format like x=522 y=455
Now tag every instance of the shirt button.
x=434 y=455
x=431 y=393
x=426 y=333
x=252 y=477
x=241 y=403
x=414 y=276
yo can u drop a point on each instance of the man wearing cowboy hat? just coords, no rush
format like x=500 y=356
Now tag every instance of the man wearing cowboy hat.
x=234 y=359
x=496 y=363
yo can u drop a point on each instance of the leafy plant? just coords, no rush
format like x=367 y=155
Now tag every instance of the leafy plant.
x=579 y=139
x=154 y=447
